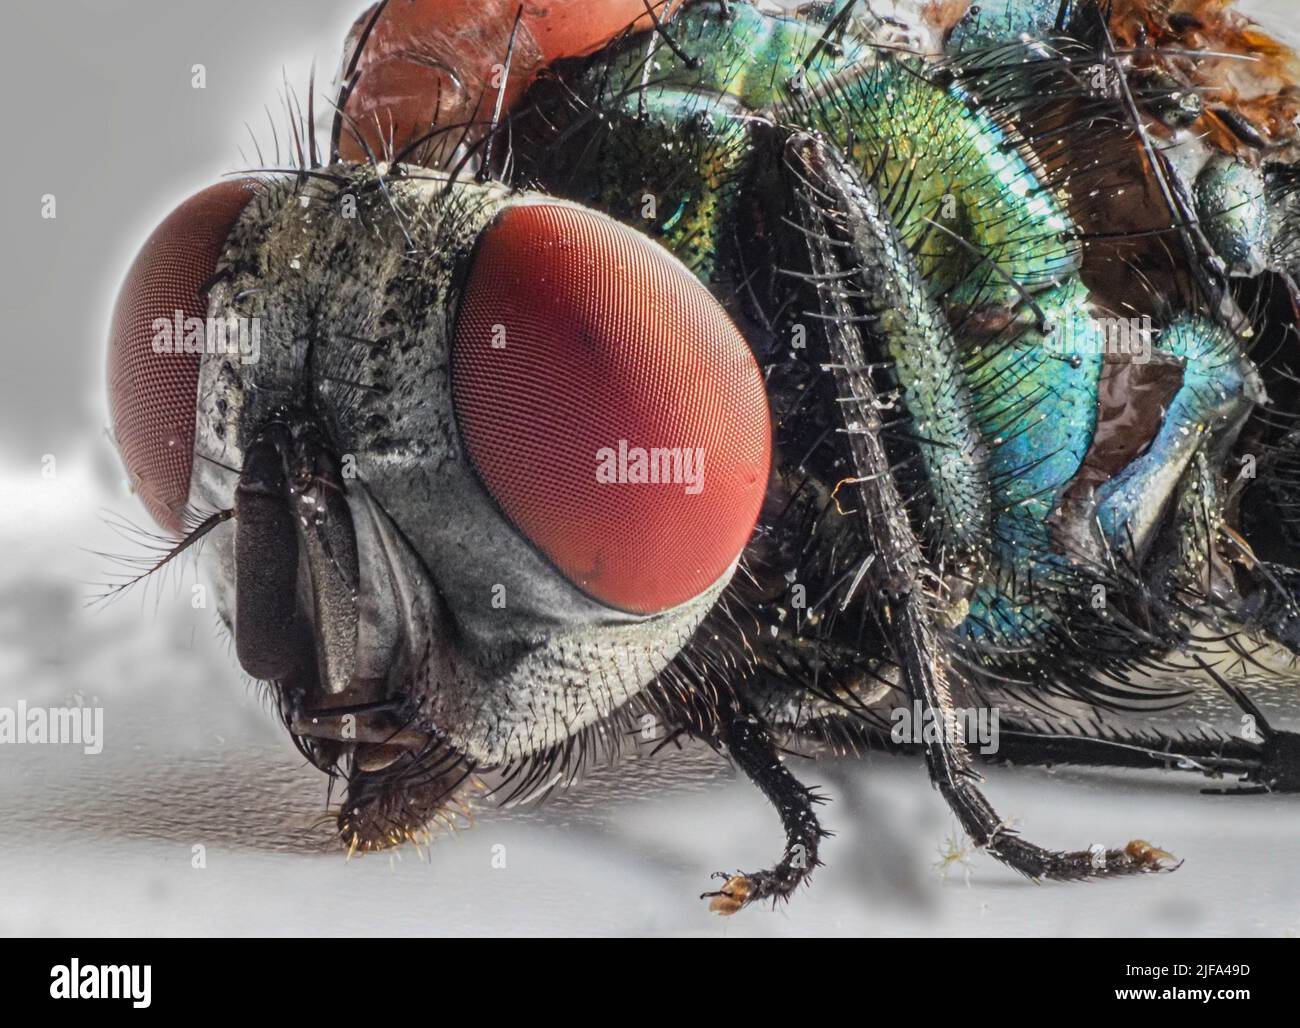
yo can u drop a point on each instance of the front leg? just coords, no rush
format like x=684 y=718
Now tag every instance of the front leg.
x=744 y=739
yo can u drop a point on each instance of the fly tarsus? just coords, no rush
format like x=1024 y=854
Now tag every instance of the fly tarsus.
x=745 y=887
x=750 y=747
x=1138 y=857
x=950 y=772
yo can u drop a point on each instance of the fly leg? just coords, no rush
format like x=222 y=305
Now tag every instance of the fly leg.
x=1086 y=738
x=1269 y=762
x=1220 y=388
x=852 y=247
x=747 y=743
x=1101 y=744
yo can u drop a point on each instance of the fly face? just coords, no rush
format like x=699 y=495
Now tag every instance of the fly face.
x=491 y=461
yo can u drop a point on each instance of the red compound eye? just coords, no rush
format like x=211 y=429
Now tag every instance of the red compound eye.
x=610 y=406
x=153 y=395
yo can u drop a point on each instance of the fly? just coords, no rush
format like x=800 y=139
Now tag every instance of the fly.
x=978 y=323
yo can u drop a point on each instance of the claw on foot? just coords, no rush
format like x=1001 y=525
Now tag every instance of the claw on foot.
x=732 y=896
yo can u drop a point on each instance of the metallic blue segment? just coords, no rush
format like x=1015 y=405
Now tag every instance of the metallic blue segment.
x=1215 y=382
x=1039 y=419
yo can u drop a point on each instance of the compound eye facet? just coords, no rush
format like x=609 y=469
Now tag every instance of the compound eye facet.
x=609 y=405
x=152 y=379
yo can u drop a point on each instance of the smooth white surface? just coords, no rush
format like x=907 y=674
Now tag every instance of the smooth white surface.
x=103 y=844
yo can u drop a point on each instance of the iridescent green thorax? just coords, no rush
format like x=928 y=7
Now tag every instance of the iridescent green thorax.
x=751 y=57
x=670 y=165
x=955 y=172
x=951 y=162
x=664 y=142
x=980 y=309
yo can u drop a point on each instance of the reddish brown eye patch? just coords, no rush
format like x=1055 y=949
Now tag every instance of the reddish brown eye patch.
x=609 y=405
x=152 y=396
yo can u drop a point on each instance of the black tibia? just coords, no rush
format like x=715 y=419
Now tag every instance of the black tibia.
x=1206 y=753
x=850 y=242
x=1070 y=732
x=745 y=740
x=1271 y=764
